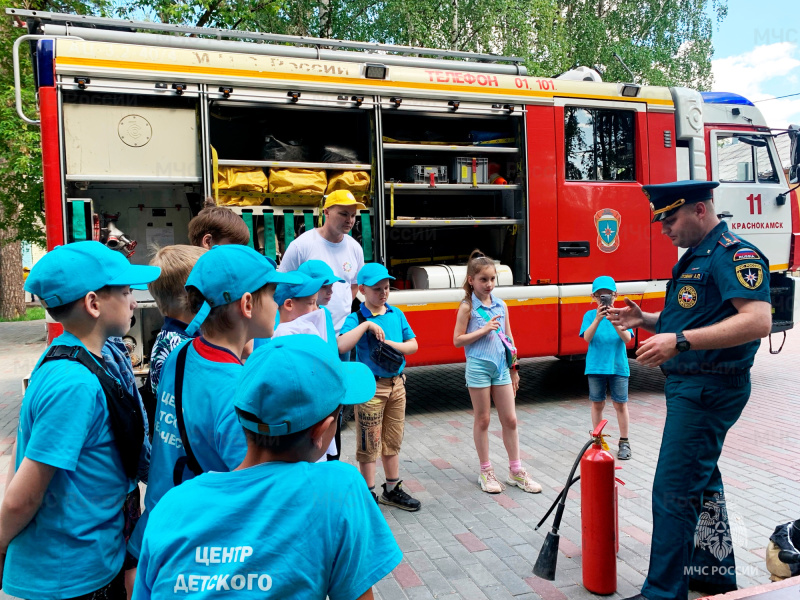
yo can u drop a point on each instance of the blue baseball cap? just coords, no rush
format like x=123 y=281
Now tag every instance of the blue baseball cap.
x=67 y=273
x=226 y=273
x=667 y=198
x=604 y=282
x=295 y=381
x=318 y=269
x=372 y=273
x=304 y=287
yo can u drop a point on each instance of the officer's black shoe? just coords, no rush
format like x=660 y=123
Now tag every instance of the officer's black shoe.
x=399 y=498
x=637 y=597
x=624 y=452
x=711 y=589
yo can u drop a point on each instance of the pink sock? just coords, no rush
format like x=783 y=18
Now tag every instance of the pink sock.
x=485 y=466
x=515 y=466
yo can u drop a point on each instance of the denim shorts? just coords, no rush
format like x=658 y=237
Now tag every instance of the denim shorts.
x=598 y=384
x=484 y=373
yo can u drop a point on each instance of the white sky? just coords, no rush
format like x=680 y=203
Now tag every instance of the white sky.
x=757 y=55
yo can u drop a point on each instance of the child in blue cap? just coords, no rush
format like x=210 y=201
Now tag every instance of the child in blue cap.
x=606 y=360
x=380 y=422
x=297 y=308
x=63 y=504
x=299 y=313
x=278 y=525
x=317 y=269
x=231 y=291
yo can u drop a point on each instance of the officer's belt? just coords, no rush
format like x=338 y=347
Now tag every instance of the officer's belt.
x=724 y=379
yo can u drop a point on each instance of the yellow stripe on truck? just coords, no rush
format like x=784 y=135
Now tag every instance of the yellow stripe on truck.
x=183 y=69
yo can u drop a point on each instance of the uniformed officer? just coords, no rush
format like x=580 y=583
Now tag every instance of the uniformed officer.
x=716 y=308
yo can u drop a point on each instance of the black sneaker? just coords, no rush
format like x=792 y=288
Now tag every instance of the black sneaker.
x=374 y=495
x=624 y=452
x=399 y=498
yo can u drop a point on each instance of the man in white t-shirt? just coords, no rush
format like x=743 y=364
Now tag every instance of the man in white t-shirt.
x=332 y=245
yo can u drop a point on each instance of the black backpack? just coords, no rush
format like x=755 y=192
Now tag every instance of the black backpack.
x=125 y=412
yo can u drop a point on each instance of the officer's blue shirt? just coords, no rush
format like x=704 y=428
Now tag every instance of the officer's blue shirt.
x=283 y=530
x=394 y=325
x=74 y=544
x=216 y=437
x=704 y=281
x=606 y=354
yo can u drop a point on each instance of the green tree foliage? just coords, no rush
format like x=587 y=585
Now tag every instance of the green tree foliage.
x=21 y=215
x=664 y=42
x=20 y=149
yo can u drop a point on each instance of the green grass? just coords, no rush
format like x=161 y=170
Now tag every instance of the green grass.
x=32 y=314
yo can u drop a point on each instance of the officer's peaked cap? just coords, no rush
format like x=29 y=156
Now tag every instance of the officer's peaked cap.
x=667 y=198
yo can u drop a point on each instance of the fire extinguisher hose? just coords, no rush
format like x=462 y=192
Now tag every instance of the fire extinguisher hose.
x=555 y=502
x=562 y=497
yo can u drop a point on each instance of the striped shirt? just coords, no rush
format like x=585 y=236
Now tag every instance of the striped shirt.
x=489 y=347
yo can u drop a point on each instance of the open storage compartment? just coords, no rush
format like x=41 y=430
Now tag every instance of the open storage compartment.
x=278 y=155
x=453 y=181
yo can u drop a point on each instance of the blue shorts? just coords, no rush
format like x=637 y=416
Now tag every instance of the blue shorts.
x=618 y=384
x=484 y=373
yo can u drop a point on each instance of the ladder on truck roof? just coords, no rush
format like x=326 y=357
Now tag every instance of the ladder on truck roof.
x=126 y=31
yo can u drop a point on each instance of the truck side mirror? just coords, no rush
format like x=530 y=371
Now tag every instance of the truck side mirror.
x=794 y=154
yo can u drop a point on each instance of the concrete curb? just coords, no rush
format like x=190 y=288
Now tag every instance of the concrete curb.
x=761 y=589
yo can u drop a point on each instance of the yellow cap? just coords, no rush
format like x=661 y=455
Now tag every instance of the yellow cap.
x=342 y=198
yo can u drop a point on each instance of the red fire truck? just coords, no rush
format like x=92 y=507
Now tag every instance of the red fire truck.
x=460 y=151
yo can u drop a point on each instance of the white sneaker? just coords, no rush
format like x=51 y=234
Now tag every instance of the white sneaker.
x=489 y=483
x=523 y=481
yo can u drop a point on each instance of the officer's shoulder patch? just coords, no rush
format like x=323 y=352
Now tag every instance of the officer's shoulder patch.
x=727 y=239
x=746 y=254
x=750 y=275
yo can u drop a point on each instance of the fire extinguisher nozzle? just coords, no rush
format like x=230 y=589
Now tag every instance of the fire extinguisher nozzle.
x=545 y=566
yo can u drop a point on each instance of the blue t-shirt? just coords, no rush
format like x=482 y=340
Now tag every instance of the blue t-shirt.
x=394 y=325
x=606 y=354
x=217 y=439
x=74 y=544
x=283 y=530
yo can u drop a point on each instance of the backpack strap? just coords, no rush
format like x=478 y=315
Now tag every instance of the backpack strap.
x=125 y=413
x=190 y=460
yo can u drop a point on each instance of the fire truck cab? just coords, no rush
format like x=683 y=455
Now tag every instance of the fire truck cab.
x=542 y=174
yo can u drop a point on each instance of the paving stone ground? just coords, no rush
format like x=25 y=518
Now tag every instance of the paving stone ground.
x=468 y=544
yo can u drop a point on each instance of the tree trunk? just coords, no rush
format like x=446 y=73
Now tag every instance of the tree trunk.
x=325 y=24
x=454 y=36
x=12 y=296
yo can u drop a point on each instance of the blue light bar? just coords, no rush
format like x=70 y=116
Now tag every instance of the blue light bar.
x=724 y=98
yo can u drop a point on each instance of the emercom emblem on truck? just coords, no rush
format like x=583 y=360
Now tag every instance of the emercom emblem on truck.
x=607 y=222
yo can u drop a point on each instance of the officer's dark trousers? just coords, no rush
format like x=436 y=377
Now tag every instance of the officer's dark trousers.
x=700 y=411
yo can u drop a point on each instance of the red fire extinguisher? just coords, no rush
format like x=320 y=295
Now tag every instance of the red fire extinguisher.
x=599 y=517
